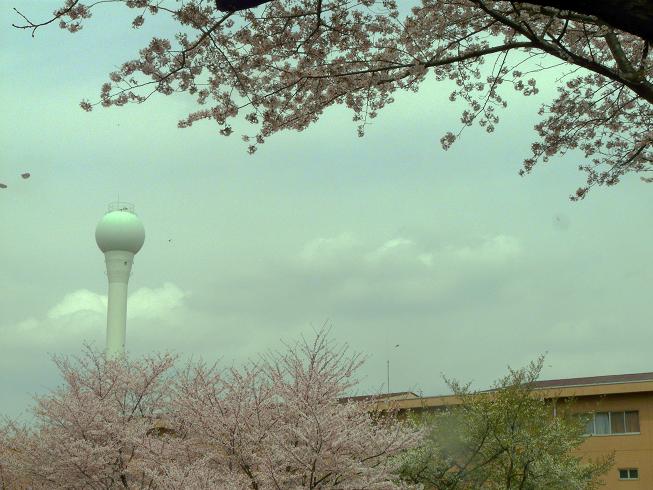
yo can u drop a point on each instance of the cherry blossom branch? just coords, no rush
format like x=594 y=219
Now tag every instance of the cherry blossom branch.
x=283 y=66
x=429 y=64
x=34 y=26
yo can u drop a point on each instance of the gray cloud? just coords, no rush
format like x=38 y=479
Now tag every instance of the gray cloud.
x=449 y=254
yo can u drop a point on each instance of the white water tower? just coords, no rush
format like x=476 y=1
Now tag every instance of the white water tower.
x=120 y=235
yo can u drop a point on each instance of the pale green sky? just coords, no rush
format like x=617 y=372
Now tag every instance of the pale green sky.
x=391 y=240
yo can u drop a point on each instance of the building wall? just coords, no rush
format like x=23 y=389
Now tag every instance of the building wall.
x=630 y=450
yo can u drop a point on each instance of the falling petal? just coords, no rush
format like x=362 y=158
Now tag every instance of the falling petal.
x=25 y=175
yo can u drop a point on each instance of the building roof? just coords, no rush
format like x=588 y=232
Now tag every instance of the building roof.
x=594 y=380
x=614 y=384
x=397 y=395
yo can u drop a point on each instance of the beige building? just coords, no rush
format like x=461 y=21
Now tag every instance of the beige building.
x=620 y=420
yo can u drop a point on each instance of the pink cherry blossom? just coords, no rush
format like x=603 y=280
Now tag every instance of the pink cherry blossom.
x=282 y=63
x=278 y=422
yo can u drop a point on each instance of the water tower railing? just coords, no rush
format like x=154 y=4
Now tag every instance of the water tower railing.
x=121 y=206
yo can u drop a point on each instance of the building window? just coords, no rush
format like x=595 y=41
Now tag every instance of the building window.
x=628 y=474
x=602 y=423
x=606 y=423
x=632 y=421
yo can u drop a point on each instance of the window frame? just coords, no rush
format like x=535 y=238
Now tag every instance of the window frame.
x=610 y=412
x=628 y=472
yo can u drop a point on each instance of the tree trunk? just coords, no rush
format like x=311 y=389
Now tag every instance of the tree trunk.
x=633 y=16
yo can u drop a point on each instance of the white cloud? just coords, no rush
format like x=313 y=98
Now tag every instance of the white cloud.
x=81 y=316
x=407 y=254
x=395 y=277
x=148 y=303
x=497 y=249
x=27 y=325
x=81 y=300
x=395 y=247
x=426 y=259
x=329 y=248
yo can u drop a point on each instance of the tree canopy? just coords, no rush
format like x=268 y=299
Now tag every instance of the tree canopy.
x=505 y=438
x=281 y=63
x=273 y=423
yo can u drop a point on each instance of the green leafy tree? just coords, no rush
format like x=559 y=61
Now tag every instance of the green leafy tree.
x=505 y=438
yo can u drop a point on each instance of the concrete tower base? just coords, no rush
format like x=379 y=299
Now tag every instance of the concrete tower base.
x=119 y=266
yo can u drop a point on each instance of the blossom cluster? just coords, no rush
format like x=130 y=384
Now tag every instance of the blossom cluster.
x=279 y=422
x=282 y=64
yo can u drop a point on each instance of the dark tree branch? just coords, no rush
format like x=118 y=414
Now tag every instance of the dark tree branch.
x=33 y=26
x=235 y=5
x=633 y=16
x=642 y=88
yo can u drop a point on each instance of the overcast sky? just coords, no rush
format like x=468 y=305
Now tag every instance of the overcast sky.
x=389 y=239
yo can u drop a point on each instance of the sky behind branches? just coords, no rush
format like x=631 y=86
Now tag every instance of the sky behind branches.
x=389 y=239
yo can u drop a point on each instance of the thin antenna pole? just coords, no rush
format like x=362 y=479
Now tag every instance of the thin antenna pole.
x=388 y=366
x=388 y=385
x=387 y=356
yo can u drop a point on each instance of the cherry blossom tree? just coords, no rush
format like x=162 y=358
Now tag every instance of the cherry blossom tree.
x=278 y=422
x=94 y=431
x=279 y=64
